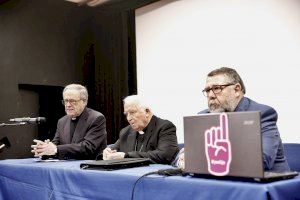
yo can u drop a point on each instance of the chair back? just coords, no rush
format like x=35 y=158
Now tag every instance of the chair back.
x=292 y=153
x=180 y=145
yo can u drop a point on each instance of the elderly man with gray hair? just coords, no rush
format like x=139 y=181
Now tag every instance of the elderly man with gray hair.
x=80 y=134
x=146 y=136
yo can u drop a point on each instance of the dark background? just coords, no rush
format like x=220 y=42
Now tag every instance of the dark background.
x=47 y=44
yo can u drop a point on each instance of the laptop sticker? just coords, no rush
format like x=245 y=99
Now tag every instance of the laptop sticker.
x=218 y=148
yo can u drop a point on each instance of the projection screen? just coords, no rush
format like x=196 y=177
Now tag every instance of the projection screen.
x=179 y=42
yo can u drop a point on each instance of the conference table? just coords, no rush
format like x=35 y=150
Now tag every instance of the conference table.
x=34 y=179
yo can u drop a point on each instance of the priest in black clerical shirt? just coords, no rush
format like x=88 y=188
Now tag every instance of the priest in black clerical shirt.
x=146 y=136
x=80 y=134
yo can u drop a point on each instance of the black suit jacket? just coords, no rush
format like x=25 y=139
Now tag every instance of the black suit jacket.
x=88 y=139
x=159 y=144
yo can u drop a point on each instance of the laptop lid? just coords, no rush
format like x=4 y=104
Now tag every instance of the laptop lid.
x=224 y=144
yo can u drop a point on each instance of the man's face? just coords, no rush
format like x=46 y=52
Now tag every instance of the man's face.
x=73 y=104
x=136 y=116
x=227 y=97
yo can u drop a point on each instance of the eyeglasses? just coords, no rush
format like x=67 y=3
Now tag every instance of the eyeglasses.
x=215 y=89
x=71 y=101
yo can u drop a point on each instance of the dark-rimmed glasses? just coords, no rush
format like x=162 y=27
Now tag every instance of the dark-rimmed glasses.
x=71 y=101
x=215 y=89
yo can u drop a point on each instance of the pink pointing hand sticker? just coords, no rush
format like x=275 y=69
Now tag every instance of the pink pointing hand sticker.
x=218 y=148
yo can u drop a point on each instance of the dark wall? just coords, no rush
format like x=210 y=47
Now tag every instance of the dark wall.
x=115 y=74
x=39 y=46
x=50 y=43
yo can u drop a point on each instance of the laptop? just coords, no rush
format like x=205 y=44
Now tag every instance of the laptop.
x=109 y=165
x=226 y=144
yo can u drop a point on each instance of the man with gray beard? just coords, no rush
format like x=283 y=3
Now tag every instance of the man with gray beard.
x=225 y=92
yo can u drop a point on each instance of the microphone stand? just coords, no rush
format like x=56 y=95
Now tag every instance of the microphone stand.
x=5 y=140
x=13 y=124
x=4 y=143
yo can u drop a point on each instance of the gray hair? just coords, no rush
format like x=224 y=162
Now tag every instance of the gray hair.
x=231 y=74
x=81 y=89
x=136 y=100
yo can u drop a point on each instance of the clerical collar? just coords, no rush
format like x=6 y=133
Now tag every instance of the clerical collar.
x=143 y=131
x=75 y=119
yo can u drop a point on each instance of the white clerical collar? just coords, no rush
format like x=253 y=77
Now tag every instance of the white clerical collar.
x=141 y=132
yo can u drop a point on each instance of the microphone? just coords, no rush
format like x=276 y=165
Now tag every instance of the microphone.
x=4 y=143
x=29 y=120
x=91 y=3
x=94 y=3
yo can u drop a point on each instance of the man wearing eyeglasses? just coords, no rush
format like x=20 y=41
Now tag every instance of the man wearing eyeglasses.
x=80 y=134
x=225 y=92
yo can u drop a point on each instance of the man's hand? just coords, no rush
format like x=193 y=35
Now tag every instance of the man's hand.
x=117 y=155
x=109 y=154
x=180 y=161
x=106 y=152
x=43 y=148
x=38 y=144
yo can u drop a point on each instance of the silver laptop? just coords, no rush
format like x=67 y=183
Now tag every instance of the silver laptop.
x=226 y=144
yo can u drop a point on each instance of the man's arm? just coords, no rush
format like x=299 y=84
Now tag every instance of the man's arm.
x=115 y=146
x=166 y=149
x=56 y=136
x=271 y=138
x=109 y=151
x=179 y=160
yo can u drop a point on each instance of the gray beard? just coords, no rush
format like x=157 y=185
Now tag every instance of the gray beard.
x=216 y=108
x=229 y=106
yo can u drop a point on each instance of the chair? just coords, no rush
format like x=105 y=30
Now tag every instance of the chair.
x=180 y=145
x=292 y=153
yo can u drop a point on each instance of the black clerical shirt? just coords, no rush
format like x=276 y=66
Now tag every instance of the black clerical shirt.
x=73 y=124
